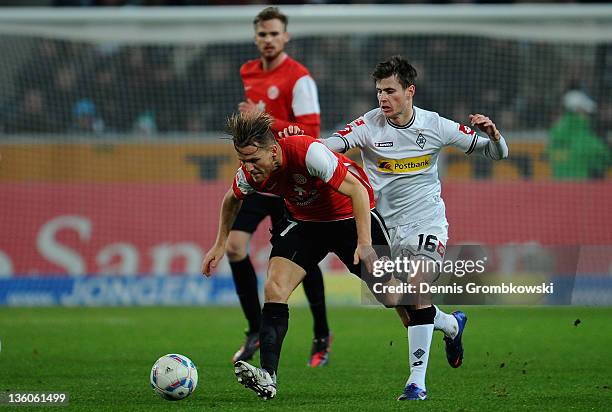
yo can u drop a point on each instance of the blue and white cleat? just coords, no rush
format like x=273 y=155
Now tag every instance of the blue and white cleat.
x=412 y=393
x=256 y=379
x=454 y=347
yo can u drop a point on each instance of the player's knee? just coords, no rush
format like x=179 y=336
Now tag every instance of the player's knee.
x=427 y=271
x=236 y=250
x=421 y=281
x=275 y=291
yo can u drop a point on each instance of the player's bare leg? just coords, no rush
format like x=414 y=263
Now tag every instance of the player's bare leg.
x=402 y=312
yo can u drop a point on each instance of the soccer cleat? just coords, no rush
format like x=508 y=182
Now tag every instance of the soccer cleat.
x=256 y=379
x=454 y=347
x=246 y=351
x=412 y=393
x=319 y=353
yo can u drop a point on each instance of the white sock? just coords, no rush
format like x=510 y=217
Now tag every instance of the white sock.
x=419 y=342
x=446 y=323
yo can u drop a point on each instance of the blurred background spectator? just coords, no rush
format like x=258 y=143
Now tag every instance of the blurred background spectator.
x=192 y=88
x=86 y=119
x=574 y=151
x=31 y=115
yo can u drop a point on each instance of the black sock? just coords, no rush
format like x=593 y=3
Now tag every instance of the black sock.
x=274 y=325
x=423 y=316
x=245 y=280
x=315 y=293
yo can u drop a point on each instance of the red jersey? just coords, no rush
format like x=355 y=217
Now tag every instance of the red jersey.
x=308 y=181
x=288 y=93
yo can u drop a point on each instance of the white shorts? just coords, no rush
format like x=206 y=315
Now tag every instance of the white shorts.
x=422 y=238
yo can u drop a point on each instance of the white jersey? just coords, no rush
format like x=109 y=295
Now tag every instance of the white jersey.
x=402 y=161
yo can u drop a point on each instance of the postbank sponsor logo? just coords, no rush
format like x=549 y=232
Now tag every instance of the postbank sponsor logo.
x=406 y=165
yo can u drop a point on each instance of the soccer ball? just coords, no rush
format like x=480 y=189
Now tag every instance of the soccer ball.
x=174 y=377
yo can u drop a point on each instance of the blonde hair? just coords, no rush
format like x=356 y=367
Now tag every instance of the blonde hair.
x=251 y=129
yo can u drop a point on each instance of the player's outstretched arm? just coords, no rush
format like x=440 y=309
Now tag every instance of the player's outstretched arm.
x=229 y=210
x=495 y=147
x=335 y=143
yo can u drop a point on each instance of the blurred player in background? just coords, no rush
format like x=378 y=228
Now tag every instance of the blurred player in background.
x=282 y=87
x=331 y=207
x=400 y=145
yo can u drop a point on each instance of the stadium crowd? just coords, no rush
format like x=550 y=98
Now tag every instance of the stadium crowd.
x=75 y=87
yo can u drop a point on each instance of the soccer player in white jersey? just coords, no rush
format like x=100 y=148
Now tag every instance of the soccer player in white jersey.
x=400 y=144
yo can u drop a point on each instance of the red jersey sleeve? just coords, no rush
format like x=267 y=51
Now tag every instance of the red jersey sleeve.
x=241 y=185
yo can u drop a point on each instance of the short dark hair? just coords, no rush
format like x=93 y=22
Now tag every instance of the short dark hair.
x=251 y=129
x=406 y=74
x=271 y=13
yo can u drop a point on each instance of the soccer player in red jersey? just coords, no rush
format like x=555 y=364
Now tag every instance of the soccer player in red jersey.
x=332 y=211
x=277 y=84
x=280 y=86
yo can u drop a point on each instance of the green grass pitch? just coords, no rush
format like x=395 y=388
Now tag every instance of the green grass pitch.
x=516 y=358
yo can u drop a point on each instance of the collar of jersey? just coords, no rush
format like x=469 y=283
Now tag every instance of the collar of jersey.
x=285 y=60
x=407 y=125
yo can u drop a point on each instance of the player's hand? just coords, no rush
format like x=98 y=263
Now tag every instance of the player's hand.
x=212 y=259
x=248 y=106
x=486 y=125
x=290 y=131
x=367 y=255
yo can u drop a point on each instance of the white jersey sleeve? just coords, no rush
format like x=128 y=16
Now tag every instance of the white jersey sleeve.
x=466 y=139
x=353 y=135
x=305 y=97
x=321 y=162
